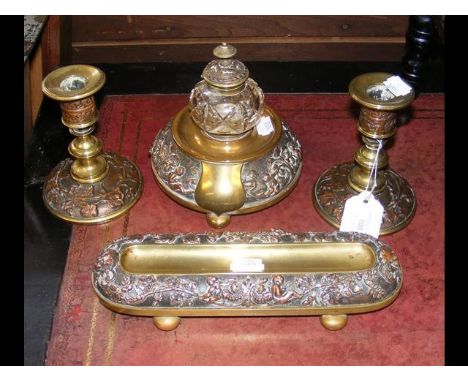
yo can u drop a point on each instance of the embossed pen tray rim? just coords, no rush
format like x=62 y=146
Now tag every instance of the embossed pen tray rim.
x=385 y=261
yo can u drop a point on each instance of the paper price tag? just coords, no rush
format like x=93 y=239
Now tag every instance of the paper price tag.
x=362 y=216
x=265 y=126
x=247 y=265
x=397 y=86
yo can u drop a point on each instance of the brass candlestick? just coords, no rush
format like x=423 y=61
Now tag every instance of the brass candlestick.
x=377 y=121
x=95 y=187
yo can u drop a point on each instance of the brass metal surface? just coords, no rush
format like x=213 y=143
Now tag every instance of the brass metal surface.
x=97 y=202
x=86 y=80
x=176 y=275
x=95 y=187
x=187 y=199
x=166 y=323
x=334 y=321
x=332 y=190
x=167 y=259
x=195 y=143
x=220 y=188
x=224 y=51
x=179 y=179
x=218 y=221
x=226 y=152
x=360 y=89
x=89 y=166
x=377 y=122
x=79 y=114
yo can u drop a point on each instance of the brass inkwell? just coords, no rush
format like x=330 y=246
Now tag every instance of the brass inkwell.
x=226 y=152
x=377 y=123
x=95 y=187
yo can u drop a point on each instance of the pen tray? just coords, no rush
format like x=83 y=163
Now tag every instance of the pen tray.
x=274 y=273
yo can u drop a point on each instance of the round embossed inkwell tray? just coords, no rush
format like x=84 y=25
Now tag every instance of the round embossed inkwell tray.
x=226 y=152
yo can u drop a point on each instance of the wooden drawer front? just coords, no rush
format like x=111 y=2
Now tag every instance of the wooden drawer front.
x=191 y=38
x=117 y=28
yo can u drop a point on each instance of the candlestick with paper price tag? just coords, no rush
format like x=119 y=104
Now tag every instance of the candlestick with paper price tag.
x=381 y=96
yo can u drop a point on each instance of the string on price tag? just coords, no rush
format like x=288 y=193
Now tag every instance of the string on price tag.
x=363 y=212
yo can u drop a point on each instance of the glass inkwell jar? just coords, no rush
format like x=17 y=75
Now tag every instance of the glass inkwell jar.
x=226 y=152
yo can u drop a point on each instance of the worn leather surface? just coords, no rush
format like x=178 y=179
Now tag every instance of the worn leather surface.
x=408 y=332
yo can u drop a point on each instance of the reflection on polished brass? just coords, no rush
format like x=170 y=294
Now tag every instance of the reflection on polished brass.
x=220 y=188
x=166 y=323
x=95 y=187
x=166 y=259
x=226 y=152
x=275 y=273
x=98 y=202
x=377 y=121
x=334 y=321
x=200 y=146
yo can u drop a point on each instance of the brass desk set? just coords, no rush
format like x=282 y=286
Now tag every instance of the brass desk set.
x=95 y=187
x=377 y=121
x=226 y=152
x=223 y=154
x=275 y=273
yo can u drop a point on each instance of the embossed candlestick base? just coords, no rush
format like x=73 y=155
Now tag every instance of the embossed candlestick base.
x=377 y=122
x=95 y=187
